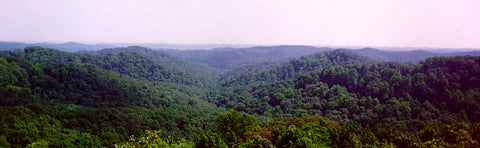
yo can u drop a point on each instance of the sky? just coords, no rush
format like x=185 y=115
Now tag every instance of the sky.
x=392 y=23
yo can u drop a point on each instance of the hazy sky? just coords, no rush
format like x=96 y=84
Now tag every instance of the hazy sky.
x=415 y=23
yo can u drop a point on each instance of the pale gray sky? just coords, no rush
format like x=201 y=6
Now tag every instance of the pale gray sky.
x=414 y=23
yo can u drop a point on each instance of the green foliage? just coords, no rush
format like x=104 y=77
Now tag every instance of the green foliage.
x=136 y=62
x=311 y=135
x=345 y=92
x=292 y=69
x=236 y=130
x=429 y=132
x=152 y=139
x=336 y=98
x=210 y=139
x=398 y=99
x=356 y=136
x=91 y=106
x=232 y=124
x=317 y=134
x=300 y=132
x=24 y=126
x=233 y=58
x=461 y=134
x=257 y=141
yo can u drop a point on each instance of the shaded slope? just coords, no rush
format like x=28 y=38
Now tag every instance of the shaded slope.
x=66 y=104
x=404 y=97
x=292 y=69
x=191 y=69
x=133 y=61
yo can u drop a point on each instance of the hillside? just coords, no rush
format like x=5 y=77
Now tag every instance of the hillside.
x=82 y=100
x=138 y=97
x=413 y=56
x=397 y=101
x=433 y=82
x=230 y=58
x=201 y=73
x=291 y=69
x=136 y=62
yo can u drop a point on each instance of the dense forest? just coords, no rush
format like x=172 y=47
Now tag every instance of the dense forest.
x=138 y=97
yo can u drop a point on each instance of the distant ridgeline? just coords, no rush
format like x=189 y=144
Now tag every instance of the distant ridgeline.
x=69 y=46
x=279 y=96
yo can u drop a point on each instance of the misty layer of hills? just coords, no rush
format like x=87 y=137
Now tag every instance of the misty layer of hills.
x=75 y=47
x=226 y=57
x=264 y=96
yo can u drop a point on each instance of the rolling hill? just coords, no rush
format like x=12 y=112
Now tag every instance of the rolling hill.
x=276 y=97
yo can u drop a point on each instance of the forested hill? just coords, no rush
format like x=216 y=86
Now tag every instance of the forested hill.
x=69 y=46
x=413 y=56
x=292 y=69
x=421 y=93
x=400 y=103
x=134 y=61
x=201 y=72
x=230 y=58
x=54 y=98
x=137 y=97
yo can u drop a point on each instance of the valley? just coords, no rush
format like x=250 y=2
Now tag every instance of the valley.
x=270 y=96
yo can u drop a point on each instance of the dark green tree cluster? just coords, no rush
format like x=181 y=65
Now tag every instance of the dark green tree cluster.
x=292 y=69
x=136 y=62
x=397 y=99
x=236 y=129
x=153 y=139
x=48 y=98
